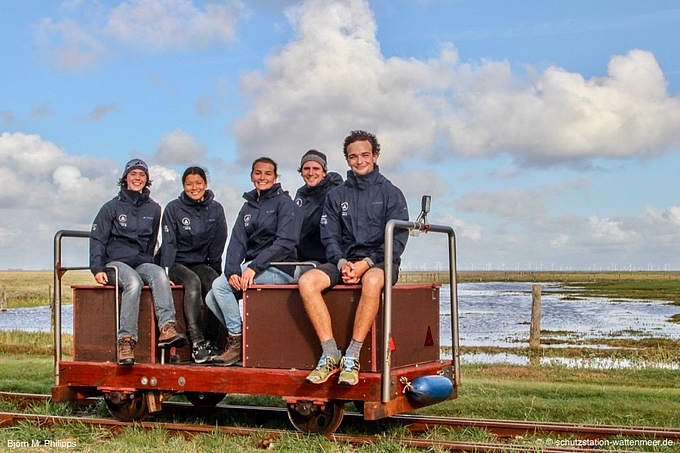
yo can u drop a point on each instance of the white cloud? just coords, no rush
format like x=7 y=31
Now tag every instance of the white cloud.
x=333 y=78
x=44 y=190
x=90 y=30
x=179 y=147
x=172 y=24
x=68 y=45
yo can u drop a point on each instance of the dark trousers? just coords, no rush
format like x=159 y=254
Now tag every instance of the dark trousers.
x=197 y=280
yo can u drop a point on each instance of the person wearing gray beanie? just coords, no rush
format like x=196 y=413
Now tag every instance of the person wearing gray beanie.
x=310 y=198
x=352 y=229
x=314 y=156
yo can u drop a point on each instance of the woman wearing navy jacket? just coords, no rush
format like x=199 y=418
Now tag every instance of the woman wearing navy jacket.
x=122 y=241
x=194 y=235
x=266 y=230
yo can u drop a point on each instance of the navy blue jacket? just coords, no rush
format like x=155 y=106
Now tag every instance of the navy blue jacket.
x=126 y=230
x=266 y=230
x=310 y=200
x=354 y=218
x=194 y=232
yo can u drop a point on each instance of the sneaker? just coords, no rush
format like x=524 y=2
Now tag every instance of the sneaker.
x=326 y=368
x=212 y=348
x=126 y=350
x=349 y=371
x=200 y=352
x=171 y=337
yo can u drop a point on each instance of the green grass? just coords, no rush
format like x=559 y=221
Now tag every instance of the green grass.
x=26 y=373
x=34 y=288
x=658 y=289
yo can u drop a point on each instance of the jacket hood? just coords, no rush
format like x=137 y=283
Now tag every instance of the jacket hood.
x=136 y=198
x=273 y=191
x=364 y=181
x=332 y=179
x=207 y=198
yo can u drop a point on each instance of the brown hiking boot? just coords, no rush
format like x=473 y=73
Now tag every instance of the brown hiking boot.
x=232 y=353
x=126 y=350
x=171 y=336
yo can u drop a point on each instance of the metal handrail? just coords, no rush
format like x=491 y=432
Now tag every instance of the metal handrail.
x=59 y=271
x=420 y=224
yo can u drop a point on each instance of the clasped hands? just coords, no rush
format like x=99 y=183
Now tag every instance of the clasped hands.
x=352 y=272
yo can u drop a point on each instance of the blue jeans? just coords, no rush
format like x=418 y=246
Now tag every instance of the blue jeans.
x=222 y=298
x=131 y=281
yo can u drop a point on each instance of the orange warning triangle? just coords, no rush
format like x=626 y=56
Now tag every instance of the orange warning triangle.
x=429 y=341
x=392 y=345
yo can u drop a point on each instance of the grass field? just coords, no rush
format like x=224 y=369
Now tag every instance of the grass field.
x=34 y=288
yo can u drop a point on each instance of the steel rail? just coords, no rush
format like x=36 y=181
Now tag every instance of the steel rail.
x=419 y=423
x=270 y=435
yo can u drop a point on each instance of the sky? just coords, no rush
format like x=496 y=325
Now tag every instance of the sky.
x=546 y=133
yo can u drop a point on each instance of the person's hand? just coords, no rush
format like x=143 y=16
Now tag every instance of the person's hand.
x=247 y=278
x=101 y=278
x=352 y=272
x=235 y=281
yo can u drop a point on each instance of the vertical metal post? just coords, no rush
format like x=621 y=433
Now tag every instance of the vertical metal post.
x=387 y=309
x=56 y=305
x=59 y=271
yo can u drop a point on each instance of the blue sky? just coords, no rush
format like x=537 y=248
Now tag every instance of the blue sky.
x=547 y=133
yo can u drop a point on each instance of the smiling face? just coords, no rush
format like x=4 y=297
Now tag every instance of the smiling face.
x=312 y=172
x=136 y=180
x=263 y=175
x=360 y=157
x=194 y=187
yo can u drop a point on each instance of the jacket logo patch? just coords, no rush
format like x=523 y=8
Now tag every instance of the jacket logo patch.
x=345 y=207
x=298 y=201
x=186 y=221
x=122 y=219
x=323 y=220
x=246 y=219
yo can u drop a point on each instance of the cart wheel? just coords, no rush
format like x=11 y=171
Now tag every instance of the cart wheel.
x=127 y=408
x=310 y=418
x=204 y=400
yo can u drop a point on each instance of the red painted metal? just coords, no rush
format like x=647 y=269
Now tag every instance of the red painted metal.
x=280 y=349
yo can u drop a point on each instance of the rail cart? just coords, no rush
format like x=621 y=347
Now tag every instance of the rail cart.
x=280 y=347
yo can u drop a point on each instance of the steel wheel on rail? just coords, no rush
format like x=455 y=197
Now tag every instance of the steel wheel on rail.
x=126 y=408
x=311 y=418
x=204 y=400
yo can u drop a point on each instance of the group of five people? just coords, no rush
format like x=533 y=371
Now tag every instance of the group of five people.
x=338 y=225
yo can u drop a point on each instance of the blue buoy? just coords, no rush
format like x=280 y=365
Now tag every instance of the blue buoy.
x=429 y=389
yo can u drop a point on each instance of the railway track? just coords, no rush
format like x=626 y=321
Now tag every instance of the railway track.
x=573 y=437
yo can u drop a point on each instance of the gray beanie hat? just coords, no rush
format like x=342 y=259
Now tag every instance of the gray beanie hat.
x=316 y=156
x=136 y=164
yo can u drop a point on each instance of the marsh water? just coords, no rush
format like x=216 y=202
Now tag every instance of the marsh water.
x=493 y=314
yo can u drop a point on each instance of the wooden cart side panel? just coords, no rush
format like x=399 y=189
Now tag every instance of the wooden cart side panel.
x=278 y=333
x=94 y=325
